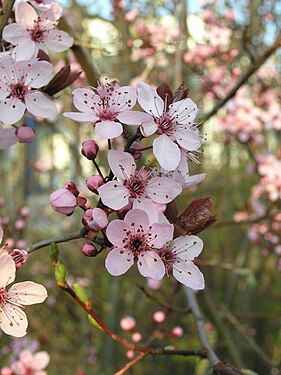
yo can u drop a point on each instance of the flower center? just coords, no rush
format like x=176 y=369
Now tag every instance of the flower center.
x=18 y=90
x=3 y=296
x=137 y=183
x=167 y=256
x=37 y=33
x=165 y=124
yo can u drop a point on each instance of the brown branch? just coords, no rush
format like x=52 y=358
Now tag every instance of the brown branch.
x=82 y=55
x=130 y=364
x=244 y=78
x=5 y=14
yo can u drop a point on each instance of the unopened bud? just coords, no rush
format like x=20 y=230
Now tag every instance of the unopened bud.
x=19 y=224
x=94 y=182
x=136 y=153
x=90 y=149
x=177 y=331
x=159 y=316
x=89 y=249
x=25 y=134
x=71 y=186
x=63 y=201
x=128 y=323
x=19 y=257
x=96 y=219
x=136 y=337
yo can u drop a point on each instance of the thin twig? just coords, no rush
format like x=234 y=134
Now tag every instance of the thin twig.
x=194 y=306
x=130 y=364
x=5 y=14
x=244 y=78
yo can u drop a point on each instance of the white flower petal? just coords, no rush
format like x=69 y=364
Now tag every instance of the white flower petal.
x=137 y=219
x=114 y=195
x=151 y=265
x=58 y=40
x=38 y=73
x=187 y=247
x=116 y=232
x=189 y=139
x=27 y=293
x=123 y=99
x=161 y=234
x=166 y=152
x=11 y=111
x=184 y=110
x=162 y=189
x=193 y=180
x=133 y=117
x=149 y=100
x=148 y=128
x=85 y=99
x=8 y=269
x=13 y=320
x=81 y=116
x=109 y=129
x=25 y=50
x=7 y=138
x=1 y=232
x=119 y=261
x=121 y=163
x=40 y=360
x=16 y=33
x=25 y=14
x=189 y=275
x=40 y=105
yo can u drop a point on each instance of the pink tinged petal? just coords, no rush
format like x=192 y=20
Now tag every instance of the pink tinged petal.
x=149 y=100
x=58 y=40
x=166 y=152
x=84 y=100
x=193 y=180
x=1 y=236
x=11 y=111
x=81 y=117
x=27 y=293
x=7 y=138
x=109 y=129
x=40 y=105
x=8 y=270
x=16 y=33
x=163 y=189
x=38 y=73
x=137 y=218
x=116 y=232
x=25 y=14
x=187 y=247
x=185 y=110
x=114 y=195
x=25 y=50
x=148 y=128
x=133 y=117
x=189 y=275
x=40 y=360
x=147 y=206
x=119 y=261
x=13 y=320
x=161 y=233
x=121 y=163
x=189 y=139
x=151 y=265
x=123 y=99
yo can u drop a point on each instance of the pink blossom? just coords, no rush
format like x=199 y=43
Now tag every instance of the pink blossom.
x=96 y=218
x=63 y=201
x=90 y=149
x=7 y=138
x=31 y=33
x=46 y=4
x=31 y=364
x=20 y=82
x=138 y=184
x=133 y=240
x=179 y=256
x=19 y=256
x=89 y=249
x=103 y=108
x=174 y=125
x=94 y=182
x=13 y=320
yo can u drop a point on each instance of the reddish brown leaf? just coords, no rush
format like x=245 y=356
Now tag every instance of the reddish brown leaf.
x=165 y=93
x=181 y=93
x=61 y=80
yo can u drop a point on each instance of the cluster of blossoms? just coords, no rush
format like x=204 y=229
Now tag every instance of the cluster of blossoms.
x=143 y=233
x=28 y=363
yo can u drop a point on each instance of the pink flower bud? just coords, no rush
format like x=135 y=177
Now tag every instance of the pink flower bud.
x=136 y=146
x=136 y=337
x=100 y=220
x=127 y=323
x=20 y=244
x=130 y=354
x=177 y=331
x=63 y=201
x=24 y=212
x=94 y=182
x=89 y=249
x=159 y=316
x=19 y=224
x=9 y=242
x=71 y=186
x=4 y=220
x=25 y=134
x=90 y=149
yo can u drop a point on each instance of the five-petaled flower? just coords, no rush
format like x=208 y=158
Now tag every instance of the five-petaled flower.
x=179 y=255
x=138 y=184
x=135 y=240
x=174 y=124
x=19 y=84
x=32 y=32
x=13 y=320
x=31 y=364
x=103 y=107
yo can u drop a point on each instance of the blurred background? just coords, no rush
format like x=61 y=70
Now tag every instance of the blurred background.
x=208 y=45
